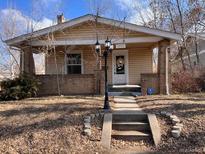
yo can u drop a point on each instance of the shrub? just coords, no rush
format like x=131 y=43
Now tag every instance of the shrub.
x=184 y=81
x=19 y=88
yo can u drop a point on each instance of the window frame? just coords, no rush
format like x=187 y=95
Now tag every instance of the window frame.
x=66 y=65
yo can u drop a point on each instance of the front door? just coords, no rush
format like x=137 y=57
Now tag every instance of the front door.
x=120 y=67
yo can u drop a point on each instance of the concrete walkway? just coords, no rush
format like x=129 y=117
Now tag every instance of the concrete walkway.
x=125 y=104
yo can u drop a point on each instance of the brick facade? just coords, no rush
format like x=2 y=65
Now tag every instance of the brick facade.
x=68 y=84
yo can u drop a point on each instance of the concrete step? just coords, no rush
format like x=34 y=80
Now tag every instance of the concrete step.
x=129 y=133
x=129 y=116
x=124 y=88
x=124 y=100
x=138 y=126
x=126 y=105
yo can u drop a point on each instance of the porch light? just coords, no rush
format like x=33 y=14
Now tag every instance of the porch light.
x=107 y=43
x=97 y=47
x=108 y=49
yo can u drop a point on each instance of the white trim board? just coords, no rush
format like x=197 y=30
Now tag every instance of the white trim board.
x=92 y=42
x=76 y=21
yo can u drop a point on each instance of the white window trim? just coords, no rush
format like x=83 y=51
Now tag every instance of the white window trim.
x=74 y=52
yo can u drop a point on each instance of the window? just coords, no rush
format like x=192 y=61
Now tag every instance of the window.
x=74 y=65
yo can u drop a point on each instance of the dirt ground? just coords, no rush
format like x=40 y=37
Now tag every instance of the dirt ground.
x=55 y=124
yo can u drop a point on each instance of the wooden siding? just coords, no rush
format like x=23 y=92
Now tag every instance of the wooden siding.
x=87 y=30
x=88 y=56
x=139 y=61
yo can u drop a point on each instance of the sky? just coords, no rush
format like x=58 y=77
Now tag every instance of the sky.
x=45 y=14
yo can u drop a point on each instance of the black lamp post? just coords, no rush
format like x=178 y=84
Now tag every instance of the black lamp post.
x=108 y=49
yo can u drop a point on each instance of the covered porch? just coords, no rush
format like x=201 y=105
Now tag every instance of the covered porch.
x=131 y=66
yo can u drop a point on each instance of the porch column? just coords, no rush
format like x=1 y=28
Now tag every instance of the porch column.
x=164 y=70
x=27 y=61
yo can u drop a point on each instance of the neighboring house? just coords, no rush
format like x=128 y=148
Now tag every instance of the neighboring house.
x=200 y=47
x=75 y=66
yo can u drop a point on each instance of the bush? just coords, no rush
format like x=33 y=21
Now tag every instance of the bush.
x=184 y=81
x=19 y=88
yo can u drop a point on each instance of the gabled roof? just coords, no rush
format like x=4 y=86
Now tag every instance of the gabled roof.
x=89 y=17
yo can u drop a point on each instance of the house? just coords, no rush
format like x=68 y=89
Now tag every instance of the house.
x=71 y=63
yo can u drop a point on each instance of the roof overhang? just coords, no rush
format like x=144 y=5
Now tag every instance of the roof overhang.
x=76 y=21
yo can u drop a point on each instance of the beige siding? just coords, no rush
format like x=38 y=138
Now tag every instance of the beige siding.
x=51 y=67
x=88 y=56
x=140 y=61
x=88 y=30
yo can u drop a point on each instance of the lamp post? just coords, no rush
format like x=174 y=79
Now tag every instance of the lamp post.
x=108 y=49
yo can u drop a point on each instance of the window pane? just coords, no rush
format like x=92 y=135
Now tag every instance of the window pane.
x=73 y=58
x=75 y=69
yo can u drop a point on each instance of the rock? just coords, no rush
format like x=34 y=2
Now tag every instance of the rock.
x=204 y=149
x=173 y=117
x=87 y=120
x=163 y=113
x=179 y=124
x=87 y=132
x=87 y=117
x=168 y=114
x=92 y=116
x=87 y=125
x=176 y=133
x=175 y=120
x=157 y=113
x=177 y=127
x=97 y=114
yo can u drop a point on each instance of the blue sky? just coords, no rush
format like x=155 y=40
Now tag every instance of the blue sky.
x=70 y=8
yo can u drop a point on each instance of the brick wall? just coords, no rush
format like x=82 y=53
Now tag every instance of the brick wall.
x=69 y=84
x=149 y=80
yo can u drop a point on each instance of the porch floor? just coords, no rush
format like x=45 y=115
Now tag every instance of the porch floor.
x=124 y=90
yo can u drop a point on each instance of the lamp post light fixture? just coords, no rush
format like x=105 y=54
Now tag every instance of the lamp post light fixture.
x=108 y=49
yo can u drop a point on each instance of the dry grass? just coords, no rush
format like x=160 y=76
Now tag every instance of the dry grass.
x=190 y=108
x=47 y=125
x=55 y=124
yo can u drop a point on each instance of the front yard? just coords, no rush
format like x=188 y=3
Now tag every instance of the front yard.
x=55 y=124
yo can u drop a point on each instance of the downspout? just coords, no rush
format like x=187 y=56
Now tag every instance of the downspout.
x=167 y=71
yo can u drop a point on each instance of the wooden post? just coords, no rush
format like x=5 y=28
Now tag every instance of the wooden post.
x=164 y=70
